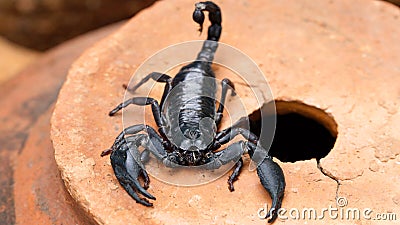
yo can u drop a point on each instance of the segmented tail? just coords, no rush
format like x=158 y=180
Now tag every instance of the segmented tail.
x=214 y=30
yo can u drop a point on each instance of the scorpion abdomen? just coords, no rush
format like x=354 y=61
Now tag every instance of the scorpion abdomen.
x=191 y=100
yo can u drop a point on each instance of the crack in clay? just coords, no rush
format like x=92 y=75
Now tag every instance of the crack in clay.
x=354 y=177
x=338 y=181
x=328 y=174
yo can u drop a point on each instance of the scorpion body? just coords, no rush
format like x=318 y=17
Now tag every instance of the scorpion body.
x=188 y=118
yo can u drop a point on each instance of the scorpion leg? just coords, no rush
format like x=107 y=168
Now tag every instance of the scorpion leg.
x=240 y=127
x=235 y=174
x=269 y=172
x=142 y=101
x=158 y=77
x=273 y=180
x=231 y=153
x=225 y=83
x=228 y=134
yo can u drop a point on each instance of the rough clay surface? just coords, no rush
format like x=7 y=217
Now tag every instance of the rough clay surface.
x=341 y=56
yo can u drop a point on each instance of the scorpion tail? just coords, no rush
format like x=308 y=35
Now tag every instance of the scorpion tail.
x=214 y=15
x=214 y=31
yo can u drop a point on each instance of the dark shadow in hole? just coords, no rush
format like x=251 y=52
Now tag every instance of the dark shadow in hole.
x=298 y=137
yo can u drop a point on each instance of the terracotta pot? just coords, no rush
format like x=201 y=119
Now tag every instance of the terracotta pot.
x=329 y=56
x=30 y=184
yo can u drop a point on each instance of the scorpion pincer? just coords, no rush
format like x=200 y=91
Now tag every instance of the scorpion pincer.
x=188 y=126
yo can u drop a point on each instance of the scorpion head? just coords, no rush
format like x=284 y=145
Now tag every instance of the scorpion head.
x=191 y=158
x=196 y=137
x=192 y=133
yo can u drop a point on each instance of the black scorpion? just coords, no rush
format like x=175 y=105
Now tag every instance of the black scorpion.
x=190 y=110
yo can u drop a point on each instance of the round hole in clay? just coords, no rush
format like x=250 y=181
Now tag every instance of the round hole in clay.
x=302 y=132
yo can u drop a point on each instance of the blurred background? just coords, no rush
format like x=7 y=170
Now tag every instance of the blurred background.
x=30 y=27
x=41 y=24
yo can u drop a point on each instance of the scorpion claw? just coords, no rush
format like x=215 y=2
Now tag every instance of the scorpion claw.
x=273 y=180
x=135 y=196
x=146 y=179
x=127 y=171
x=142 y=190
